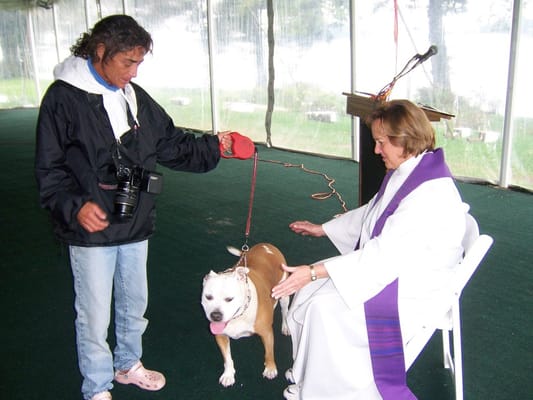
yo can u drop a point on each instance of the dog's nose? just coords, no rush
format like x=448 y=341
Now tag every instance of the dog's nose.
x=216 y=316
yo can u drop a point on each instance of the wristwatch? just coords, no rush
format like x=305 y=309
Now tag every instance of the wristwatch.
x=313 y=273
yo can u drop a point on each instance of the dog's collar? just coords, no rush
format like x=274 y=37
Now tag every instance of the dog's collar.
x=242 y=263
x=246 y=304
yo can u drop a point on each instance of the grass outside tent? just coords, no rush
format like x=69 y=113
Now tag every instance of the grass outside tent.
x=467 y=157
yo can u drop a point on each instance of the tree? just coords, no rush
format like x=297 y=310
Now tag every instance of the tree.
x=306 y=21
x=437 y=9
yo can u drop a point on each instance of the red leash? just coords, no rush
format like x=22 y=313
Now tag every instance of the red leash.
x=243 y=148
x=250 y=205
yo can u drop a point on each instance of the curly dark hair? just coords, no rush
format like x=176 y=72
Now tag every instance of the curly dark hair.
x=118 y=33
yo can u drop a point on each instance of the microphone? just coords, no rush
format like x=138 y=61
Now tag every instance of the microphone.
x=431 y=52
x=413 y=62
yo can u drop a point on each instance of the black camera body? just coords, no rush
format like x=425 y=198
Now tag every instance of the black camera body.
x=130 y=182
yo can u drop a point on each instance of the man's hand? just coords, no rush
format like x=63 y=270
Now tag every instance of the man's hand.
x=92 y=218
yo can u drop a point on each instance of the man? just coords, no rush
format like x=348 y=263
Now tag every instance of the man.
x=99 y=138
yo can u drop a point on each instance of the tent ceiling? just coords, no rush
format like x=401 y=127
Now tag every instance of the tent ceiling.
x=24 y=4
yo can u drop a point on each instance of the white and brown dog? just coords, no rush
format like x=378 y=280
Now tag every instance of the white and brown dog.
x=238 y=303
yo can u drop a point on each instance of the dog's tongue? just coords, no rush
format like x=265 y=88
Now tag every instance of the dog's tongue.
x=217 y=327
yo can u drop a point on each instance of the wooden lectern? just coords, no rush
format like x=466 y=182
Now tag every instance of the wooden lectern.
x=371 y=167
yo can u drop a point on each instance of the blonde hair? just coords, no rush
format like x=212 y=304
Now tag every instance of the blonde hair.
x=406 y=125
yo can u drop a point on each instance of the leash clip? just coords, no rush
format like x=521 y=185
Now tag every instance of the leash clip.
x=244 y=249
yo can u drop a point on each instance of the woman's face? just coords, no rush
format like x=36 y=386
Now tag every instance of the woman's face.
x=392 y=155
x=119 y=70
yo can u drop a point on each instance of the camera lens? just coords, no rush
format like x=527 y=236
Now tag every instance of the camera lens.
x=129 y=182
x=125 y=199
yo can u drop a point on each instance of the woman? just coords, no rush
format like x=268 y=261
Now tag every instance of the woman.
x=397 y=252
x=100 y=138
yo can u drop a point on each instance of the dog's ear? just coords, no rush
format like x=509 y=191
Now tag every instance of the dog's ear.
x=210 y=275
x=241 y=272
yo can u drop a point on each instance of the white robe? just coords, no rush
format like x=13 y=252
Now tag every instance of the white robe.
x=419 y=244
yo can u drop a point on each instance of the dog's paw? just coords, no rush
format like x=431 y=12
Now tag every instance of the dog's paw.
x=270 y=373
x=227 y=379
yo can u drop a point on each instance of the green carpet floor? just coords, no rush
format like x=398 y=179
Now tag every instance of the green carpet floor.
x=198 y=215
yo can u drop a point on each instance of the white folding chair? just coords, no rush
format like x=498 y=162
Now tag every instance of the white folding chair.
x=475 y=246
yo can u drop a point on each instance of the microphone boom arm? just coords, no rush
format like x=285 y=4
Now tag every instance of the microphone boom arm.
x=413 y=62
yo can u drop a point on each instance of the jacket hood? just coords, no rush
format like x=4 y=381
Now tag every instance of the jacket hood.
x=75 y=71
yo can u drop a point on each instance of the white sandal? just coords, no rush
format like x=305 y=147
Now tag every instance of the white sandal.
x=292 y=392
x=289 y=376
x=102 y=396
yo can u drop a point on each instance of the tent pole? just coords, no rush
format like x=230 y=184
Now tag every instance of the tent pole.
x=56 y=30
x=505 y=167
x=31 y=37
x=210 y=39
x=354 y=120
x=87 y=23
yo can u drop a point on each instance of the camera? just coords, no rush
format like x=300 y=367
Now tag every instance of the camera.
x=130 y=181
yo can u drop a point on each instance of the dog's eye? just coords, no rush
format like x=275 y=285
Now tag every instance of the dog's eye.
x=209 y=297
x=228 y=299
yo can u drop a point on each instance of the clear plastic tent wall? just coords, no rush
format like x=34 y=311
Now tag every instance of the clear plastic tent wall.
x=215 y=67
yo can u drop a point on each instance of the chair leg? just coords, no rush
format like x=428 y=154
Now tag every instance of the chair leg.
x=446 y=351
x=457 y=352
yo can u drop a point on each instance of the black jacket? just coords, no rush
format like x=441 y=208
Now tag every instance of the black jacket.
x=74 y=160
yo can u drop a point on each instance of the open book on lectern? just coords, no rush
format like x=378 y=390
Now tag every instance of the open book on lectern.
x=361 y=105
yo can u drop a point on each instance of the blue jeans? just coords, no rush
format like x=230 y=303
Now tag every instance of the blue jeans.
x=99 y=273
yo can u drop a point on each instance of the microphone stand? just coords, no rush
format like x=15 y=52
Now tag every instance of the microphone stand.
x=384 y=93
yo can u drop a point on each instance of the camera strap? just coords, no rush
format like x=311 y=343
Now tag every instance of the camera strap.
x=120 y=158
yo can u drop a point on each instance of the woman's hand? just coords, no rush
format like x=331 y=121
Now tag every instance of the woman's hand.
x=92 y=218
x=225 y=140
x=298 y=278
x=306 y=228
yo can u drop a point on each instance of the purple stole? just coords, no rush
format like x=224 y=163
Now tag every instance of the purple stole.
x=381 y=311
